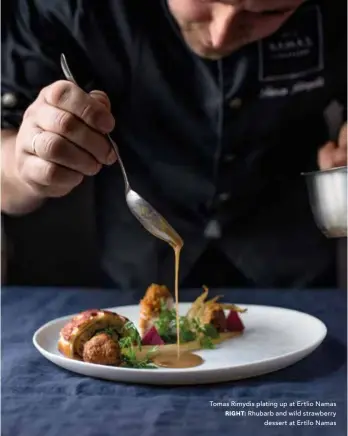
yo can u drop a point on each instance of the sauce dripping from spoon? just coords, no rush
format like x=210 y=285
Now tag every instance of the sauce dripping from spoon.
x=178 y=359
x=177 y=251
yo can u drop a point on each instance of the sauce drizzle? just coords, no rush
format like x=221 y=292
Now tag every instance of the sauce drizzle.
x=177 y=250
x=171 y=360
x=178 y=359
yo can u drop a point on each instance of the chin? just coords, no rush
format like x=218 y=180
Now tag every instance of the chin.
x=203 y=48
x=207 y=55
x=214 y=53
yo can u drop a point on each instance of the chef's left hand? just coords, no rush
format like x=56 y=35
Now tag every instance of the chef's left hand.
x=333 y=155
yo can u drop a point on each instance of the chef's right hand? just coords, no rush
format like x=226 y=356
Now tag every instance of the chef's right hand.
x=61 y=139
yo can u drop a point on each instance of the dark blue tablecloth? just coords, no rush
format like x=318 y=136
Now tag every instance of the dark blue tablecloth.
x=41 y=399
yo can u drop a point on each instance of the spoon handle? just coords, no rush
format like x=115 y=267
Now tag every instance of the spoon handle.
x=69 y=76
x=123 y=170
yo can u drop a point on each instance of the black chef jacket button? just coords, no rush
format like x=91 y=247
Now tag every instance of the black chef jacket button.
x=224 y=196
x=212 y=230
x=229 y=158
x=235 y=103
x=9 y=100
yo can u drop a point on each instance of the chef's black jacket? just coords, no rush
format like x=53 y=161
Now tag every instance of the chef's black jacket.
x=216 y=146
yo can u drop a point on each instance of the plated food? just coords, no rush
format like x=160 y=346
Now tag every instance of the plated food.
x=108 y=338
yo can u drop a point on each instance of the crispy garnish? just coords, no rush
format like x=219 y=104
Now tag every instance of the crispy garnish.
x=151 y=305
x=197 y=307
x=227 y=306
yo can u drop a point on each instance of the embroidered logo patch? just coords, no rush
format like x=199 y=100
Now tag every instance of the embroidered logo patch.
x=296 y=50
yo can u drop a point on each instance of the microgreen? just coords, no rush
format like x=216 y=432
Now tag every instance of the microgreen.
x=129 y=343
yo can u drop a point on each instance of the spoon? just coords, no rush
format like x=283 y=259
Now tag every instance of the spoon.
x=140 y=208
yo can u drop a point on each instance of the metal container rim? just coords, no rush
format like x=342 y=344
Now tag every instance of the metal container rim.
x=329 y=170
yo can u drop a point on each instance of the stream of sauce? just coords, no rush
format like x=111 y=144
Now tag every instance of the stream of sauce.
x=171 y=360
x=177 y=359
x=177 y=251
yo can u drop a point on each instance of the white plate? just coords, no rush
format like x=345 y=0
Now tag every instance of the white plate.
x=274 y=338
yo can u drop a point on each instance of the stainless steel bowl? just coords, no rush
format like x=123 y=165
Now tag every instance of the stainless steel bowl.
x=328 y=198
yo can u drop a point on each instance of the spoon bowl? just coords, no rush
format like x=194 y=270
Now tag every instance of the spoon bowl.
x=152 y=221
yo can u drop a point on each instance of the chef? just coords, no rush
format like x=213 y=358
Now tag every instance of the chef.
x=216 y=106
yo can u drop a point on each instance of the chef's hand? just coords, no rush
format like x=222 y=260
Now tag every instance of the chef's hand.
x=61 y=139
x=333 y=155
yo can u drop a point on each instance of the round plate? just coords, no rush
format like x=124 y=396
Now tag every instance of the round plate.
x=273 y=338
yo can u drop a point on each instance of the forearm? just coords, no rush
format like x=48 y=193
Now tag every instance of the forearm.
x=17 y=198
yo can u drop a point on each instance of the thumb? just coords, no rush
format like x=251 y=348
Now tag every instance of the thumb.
x=326 y=155
x=101 y=97
x=331 y=156
x=342 y=138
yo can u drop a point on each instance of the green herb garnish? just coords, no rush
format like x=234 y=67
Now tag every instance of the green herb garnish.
x=206 y=342
x=186 y=332
x=138 y=364
x=129 y=344
x=166 y=324
x=205 y=333
x=190 y=329
x=130 y=332
x=129 y=356
x=210 y=331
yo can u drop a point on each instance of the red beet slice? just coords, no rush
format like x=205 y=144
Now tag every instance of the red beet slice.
x=233 y=322
x=152 y=337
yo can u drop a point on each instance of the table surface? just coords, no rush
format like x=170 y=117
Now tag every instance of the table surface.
x=41 y=399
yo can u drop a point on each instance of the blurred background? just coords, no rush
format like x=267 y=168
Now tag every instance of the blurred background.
x=55 y=245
